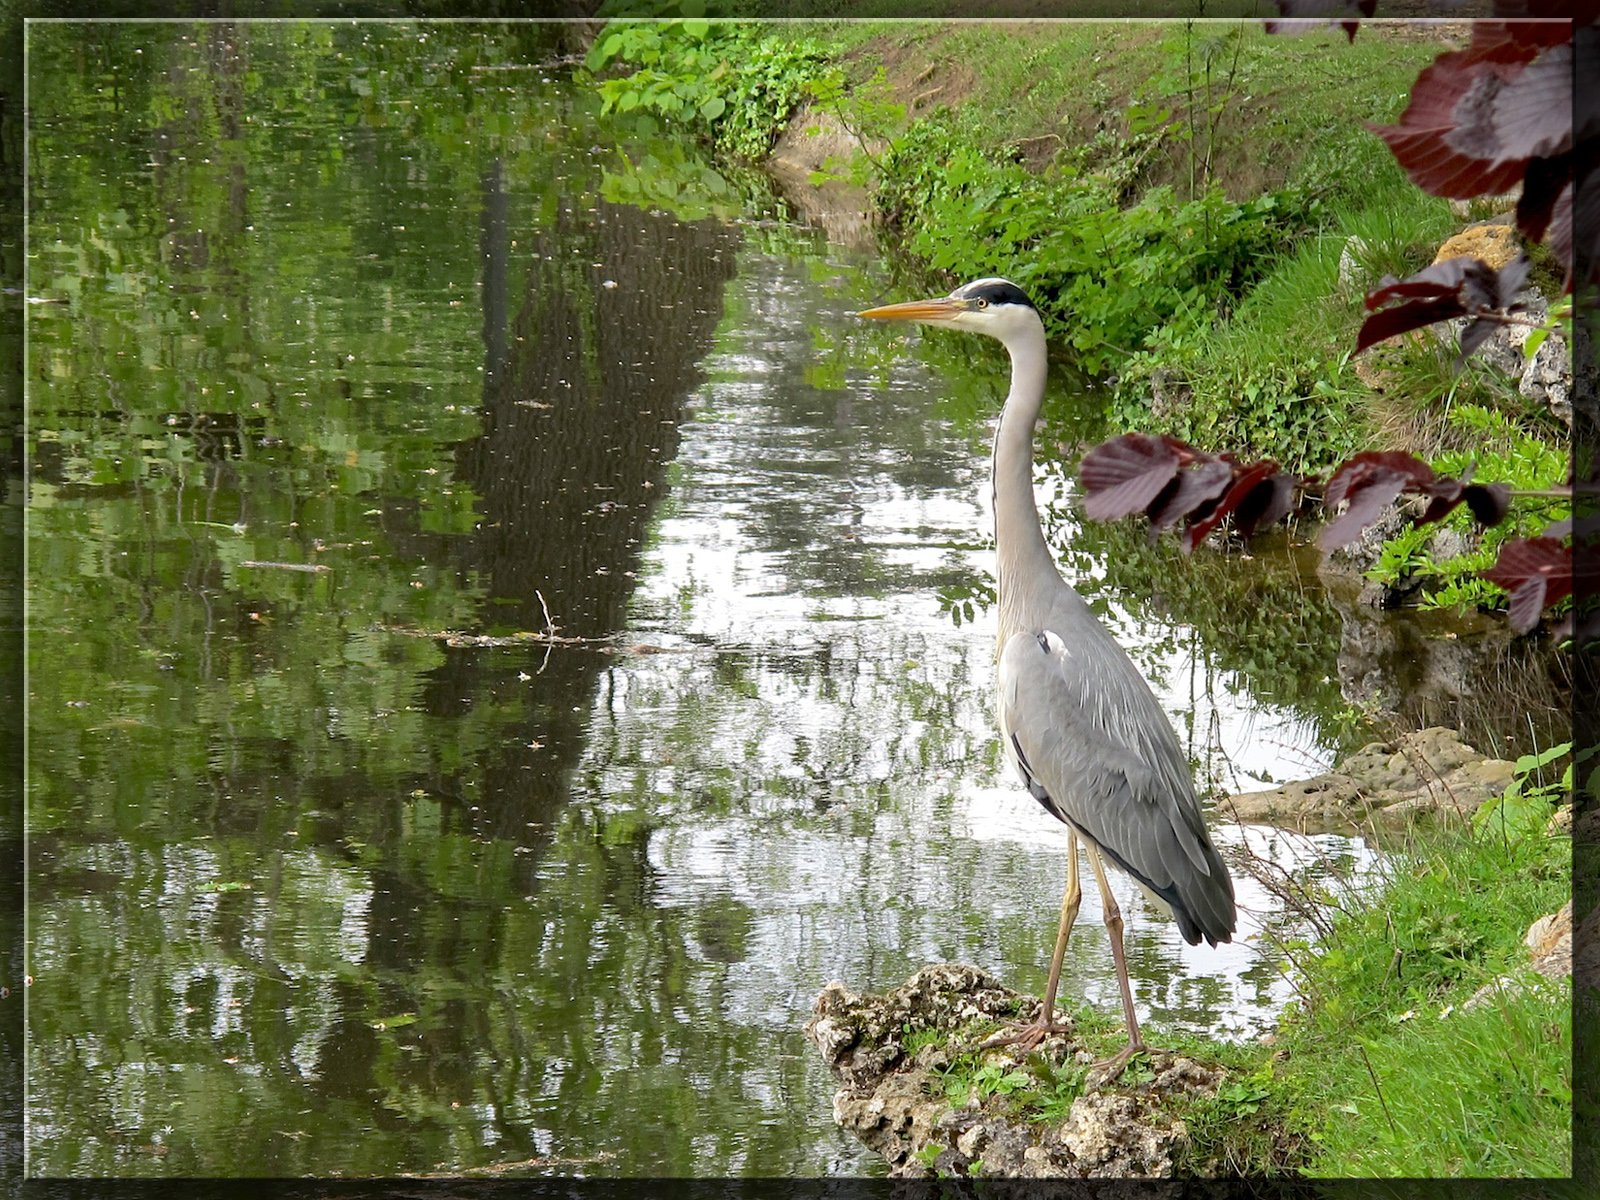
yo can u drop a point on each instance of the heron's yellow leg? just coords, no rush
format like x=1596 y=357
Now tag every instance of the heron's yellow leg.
x=1112 y=1067
x=1070 y=901
x=1032 y=1034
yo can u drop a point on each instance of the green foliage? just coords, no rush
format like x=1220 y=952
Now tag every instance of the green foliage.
x=966 y=1077
x=1061 y=1085
x=1388 y=1072
x=927 y=1155
x=1273 y=378
x=1525 y=806
x=1242 y=1097
x=727 y=81
x=678 y=68
x=1501 y=450
x=867 y=110
x=1106 y=278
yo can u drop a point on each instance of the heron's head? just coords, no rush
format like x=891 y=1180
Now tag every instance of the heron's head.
x=996 y=307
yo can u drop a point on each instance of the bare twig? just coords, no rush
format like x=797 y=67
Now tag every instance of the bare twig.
x=549 y=632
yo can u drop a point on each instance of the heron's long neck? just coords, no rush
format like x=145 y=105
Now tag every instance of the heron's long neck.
x=1025 y=561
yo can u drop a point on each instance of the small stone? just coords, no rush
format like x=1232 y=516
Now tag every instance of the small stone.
x=1549 y=942
x=1430 y=774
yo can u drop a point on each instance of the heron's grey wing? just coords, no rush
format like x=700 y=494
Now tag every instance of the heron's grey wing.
x=1094 y=747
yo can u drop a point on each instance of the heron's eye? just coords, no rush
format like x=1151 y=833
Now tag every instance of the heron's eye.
x=982 y=303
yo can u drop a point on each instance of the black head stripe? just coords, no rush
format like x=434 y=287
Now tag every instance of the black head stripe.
x=995 y=291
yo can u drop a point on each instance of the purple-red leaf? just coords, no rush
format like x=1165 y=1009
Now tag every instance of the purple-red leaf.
x=1403 y=318
x=1512 y=113
x=1125 y=474
x=1198 y=483
x=1365 y=505
x=1265 y=504
x=1488 y=502
x=1360 y=470
x=1543 y=186
x=1446 y=493
x=1537 y=572
x=1244 y=483
x=1420 y=142
x=1474 y=334
x=1463 y=277
x=1302 y=15
x=1456 y=287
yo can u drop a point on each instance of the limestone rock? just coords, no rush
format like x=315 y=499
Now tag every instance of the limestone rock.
x=1549 y=942
x=896 y=1104
x=1354 y=277
x=1431 y=774
x=1494 y=241
x=1547 y=377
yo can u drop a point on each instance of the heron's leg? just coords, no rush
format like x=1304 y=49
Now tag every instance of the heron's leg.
x=1113 y=919
x=1032 y=1034
x=1070 y=901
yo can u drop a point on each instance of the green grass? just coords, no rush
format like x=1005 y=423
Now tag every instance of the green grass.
x=1290 y=339
x=1387 y=1074
x=1292 y=107
x=1491 y=1097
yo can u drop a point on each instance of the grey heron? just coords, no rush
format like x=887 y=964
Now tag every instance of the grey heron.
x=1077 y=720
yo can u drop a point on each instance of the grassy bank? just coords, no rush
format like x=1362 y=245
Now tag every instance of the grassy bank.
x=1387 y=1067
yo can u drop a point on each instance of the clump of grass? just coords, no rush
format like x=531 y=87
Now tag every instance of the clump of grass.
x=1276 y=377
x=1389 y=1073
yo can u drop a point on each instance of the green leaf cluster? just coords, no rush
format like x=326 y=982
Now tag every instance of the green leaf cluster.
x=728 y=81
x=1525 y=806
x=1501 y=450
x=1107 y=277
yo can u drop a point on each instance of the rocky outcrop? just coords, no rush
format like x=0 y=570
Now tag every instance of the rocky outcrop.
x=1544 y=377
x=1428 y=775
x=895 y=1099
x=808 y=163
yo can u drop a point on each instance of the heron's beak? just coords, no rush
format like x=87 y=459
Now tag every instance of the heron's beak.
x=941 y=309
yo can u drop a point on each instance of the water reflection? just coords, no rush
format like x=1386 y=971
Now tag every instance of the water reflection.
x=359 y=347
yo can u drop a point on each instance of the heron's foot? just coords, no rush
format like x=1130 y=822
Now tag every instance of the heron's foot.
x=1107 y=1070
x=1026 y=1036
